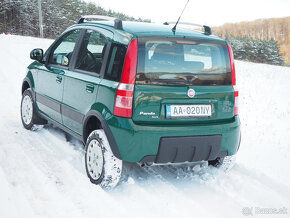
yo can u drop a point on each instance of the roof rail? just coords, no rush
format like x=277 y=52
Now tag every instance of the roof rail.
x=117 y=22
x=207 y=29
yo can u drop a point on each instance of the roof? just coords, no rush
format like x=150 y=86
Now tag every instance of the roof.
x=141 y=29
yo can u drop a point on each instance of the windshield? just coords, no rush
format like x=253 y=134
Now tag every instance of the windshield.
x=182 y=61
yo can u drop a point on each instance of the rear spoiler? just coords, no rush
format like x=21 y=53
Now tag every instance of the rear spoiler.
x=207 y=29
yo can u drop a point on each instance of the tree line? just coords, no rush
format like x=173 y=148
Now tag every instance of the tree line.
x=262 y=31
x=21 y=16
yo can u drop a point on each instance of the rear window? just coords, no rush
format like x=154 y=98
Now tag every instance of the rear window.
x=182 y=61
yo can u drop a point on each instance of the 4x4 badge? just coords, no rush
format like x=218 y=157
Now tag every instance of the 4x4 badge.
x=191 y=93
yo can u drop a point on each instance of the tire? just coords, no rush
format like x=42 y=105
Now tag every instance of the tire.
x=225 y=164
x=29 y=115
x=102 y=167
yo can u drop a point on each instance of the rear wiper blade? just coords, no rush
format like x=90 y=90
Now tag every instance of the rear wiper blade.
x=171 y=80
x=178 y=80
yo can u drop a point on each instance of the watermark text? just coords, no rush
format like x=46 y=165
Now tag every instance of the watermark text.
x=251 y=211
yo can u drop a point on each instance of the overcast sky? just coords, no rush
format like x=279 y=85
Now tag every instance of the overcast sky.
x=215 y=12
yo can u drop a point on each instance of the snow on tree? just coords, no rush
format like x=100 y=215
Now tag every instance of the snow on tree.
x=256 y=50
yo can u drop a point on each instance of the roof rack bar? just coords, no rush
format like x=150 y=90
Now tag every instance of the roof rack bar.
x=117 y=22
x=207 y=29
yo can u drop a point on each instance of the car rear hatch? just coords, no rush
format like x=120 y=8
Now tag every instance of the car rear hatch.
x=182 y=81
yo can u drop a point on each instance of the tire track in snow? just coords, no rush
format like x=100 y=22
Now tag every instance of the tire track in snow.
x=64 y=172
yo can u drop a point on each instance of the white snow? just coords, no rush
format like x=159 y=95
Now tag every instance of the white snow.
x=42 y=173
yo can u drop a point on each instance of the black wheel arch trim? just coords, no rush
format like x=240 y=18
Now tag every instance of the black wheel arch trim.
x=106 y=129
x=26 y=79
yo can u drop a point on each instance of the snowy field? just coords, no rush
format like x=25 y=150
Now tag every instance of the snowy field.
x=42 y=173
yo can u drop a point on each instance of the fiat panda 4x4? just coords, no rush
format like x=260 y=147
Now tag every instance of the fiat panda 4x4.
x=136 y=92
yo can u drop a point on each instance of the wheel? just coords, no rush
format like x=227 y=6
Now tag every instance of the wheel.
x=102 y=167
x=226 y=163
x=29 y=115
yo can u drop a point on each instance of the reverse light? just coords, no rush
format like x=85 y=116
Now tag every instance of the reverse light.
x=233 y=70
x=124 y=94
x=236 y=100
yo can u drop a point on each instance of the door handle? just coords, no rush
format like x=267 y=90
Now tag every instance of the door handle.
x=58 y=79
x=90 y=88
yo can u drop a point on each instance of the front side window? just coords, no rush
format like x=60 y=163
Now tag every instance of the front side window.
x=92 y=51
x=62 y=53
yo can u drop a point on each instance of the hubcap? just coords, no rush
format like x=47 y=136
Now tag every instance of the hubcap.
x=95 y=159
x=27 y=109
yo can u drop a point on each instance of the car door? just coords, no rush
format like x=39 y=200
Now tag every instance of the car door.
x=82 y=80
x=50 y=81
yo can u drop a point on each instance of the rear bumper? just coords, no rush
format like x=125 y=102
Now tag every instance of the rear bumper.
x=174 y=143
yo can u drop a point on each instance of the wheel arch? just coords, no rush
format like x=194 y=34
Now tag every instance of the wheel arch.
x=37 y=119
x=25 y=85
x=94 y=120
x=28 y=82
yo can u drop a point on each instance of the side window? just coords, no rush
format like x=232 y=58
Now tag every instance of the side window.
x=92 y=51
x=62 y=53
x=116 y=61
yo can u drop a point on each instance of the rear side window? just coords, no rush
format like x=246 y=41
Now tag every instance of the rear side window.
x=182 y=61
x=116 y=61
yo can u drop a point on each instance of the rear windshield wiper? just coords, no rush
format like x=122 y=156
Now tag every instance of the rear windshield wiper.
x=189 y=80
x=171 y=80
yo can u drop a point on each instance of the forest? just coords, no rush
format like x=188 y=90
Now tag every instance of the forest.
x=267 y=31
x=21 y=16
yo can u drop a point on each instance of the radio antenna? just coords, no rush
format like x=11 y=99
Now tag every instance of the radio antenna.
x=174 y=28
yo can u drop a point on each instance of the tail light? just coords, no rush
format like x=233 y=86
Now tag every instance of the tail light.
x=236 y=92
x=125 y=90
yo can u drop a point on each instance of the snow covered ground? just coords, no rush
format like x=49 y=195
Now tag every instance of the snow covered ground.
x=42 y=173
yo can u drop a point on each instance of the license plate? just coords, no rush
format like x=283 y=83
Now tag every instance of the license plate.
x=195 y=110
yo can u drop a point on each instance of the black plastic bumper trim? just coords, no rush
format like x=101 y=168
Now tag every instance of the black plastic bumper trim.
x=106 y=129
x=156 y=158
x=48 y=102
x=72 y=114
x=187 y=149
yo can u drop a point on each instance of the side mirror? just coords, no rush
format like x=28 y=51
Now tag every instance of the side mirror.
x=36 y=54
x=62 y=60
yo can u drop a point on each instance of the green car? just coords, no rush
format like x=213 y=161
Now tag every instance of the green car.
x=136 y=92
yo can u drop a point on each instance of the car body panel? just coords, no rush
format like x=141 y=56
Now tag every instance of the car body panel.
x=80 y=92
x=49 y=85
